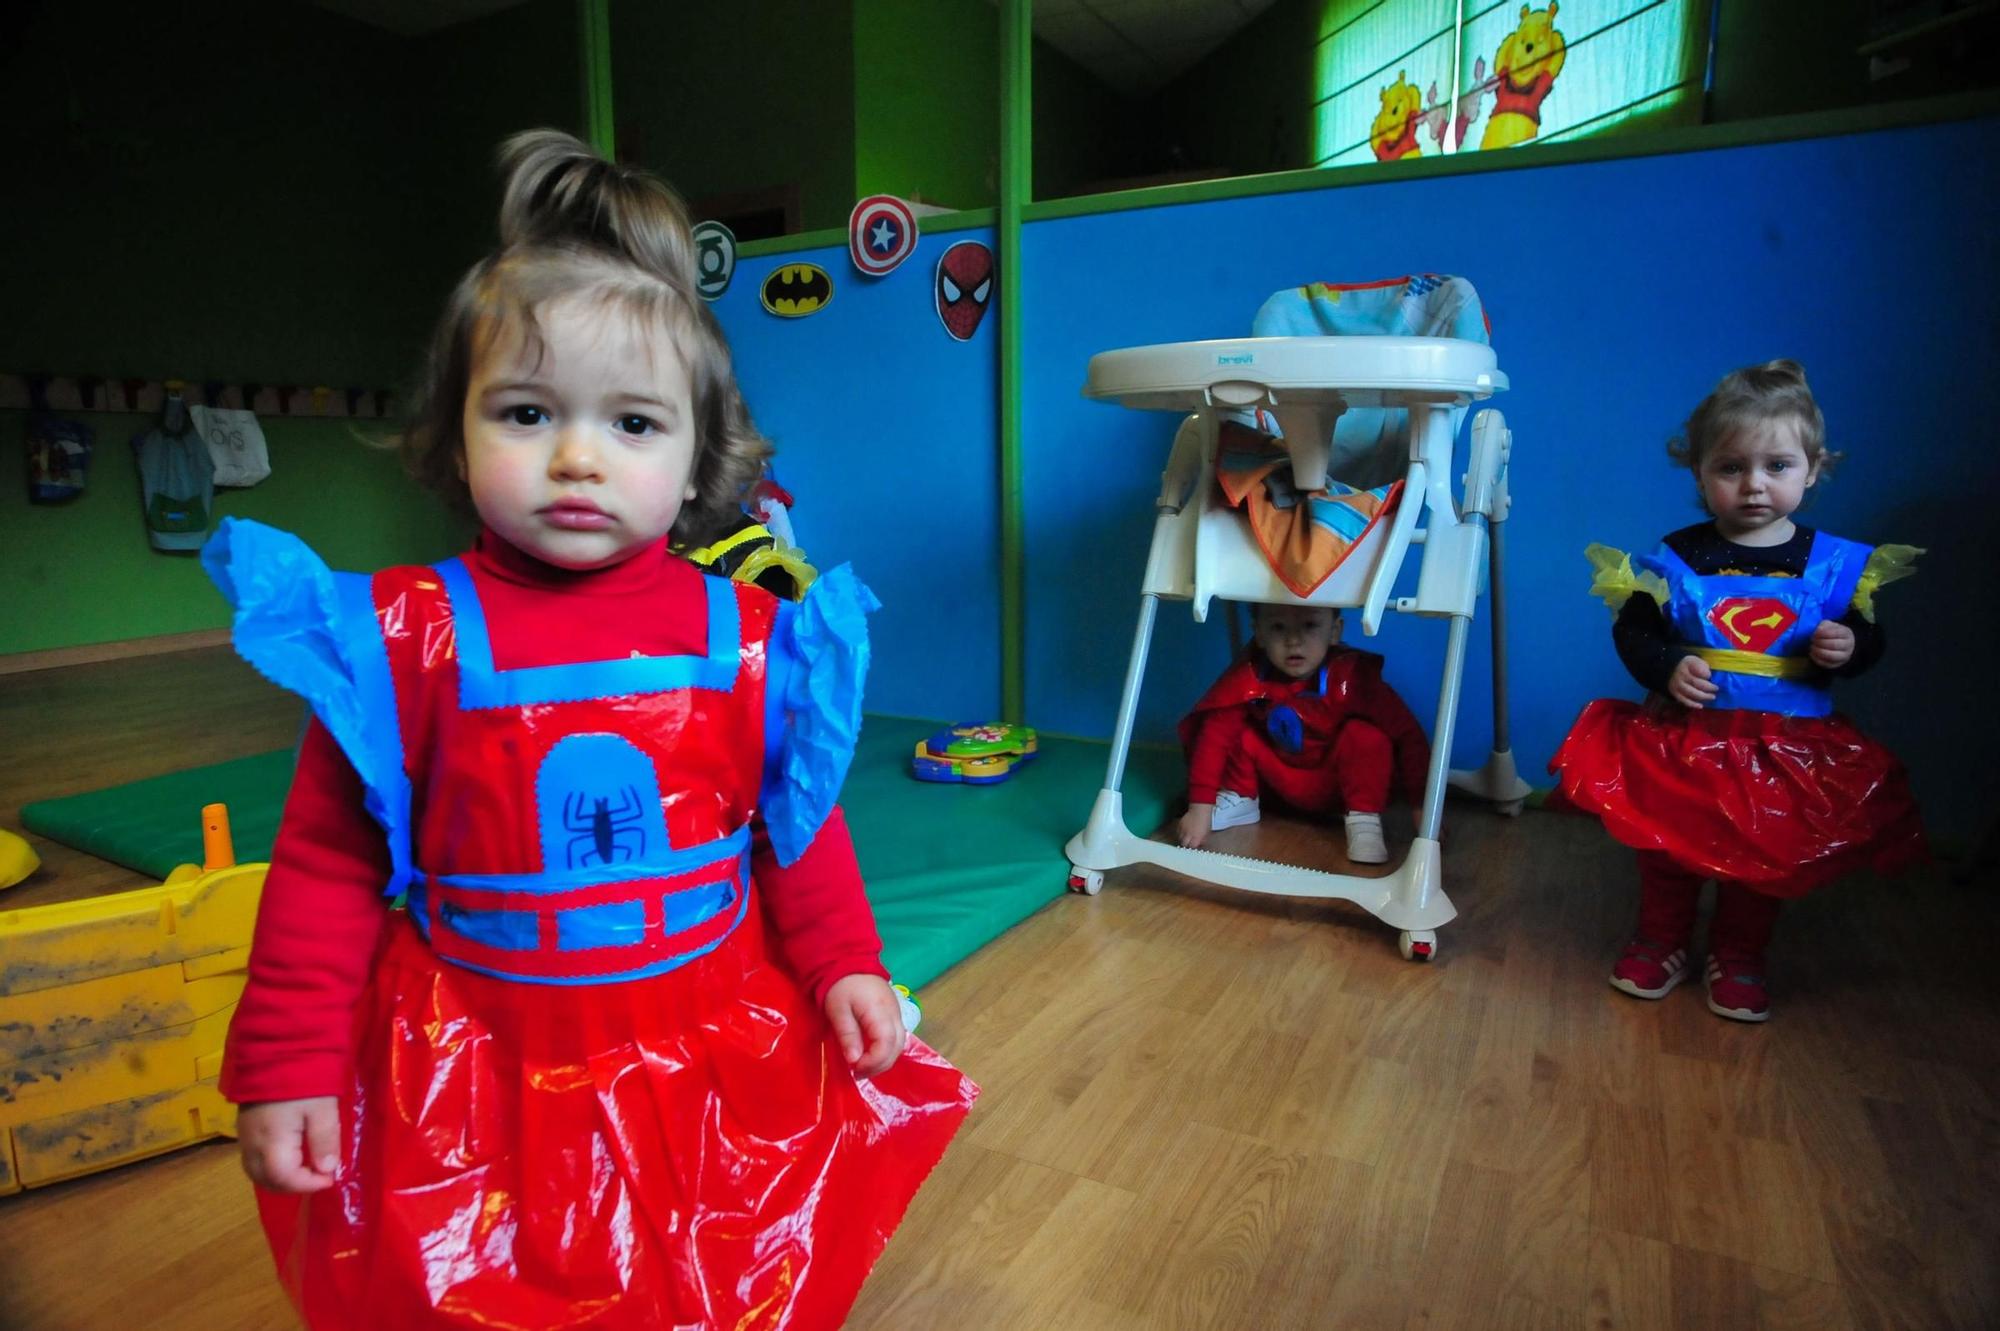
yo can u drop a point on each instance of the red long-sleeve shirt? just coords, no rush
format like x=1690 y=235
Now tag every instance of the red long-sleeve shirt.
x=323 y=910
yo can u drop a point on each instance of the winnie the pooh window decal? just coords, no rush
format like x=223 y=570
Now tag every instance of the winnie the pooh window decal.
x=1426 y=78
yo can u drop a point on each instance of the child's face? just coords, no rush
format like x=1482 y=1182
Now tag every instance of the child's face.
x=1295 y=638
x=581 y=456
x=1754 y=481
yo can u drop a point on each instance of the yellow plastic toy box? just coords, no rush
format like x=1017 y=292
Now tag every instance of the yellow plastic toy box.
x=113 y=1011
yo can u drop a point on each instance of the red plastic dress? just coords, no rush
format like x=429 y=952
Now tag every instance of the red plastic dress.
x=585 y=1093
x=1783 y=804
x=1767 y=786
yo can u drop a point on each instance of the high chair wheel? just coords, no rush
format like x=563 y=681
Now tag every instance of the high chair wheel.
x=1417 y=944
x=1087 y=881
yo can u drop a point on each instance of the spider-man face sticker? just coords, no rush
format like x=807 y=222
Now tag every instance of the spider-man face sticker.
x=964 y=287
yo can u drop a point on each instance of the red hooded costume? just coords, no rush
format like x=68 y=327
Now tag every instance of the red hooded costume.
x=1356 y=739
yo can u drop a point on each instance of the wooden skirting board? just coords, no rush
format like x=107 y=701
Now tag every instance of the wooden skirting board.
x=18 y=662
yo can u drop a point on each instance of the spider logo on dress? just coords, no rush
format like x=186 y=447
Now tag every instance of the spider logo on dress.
x=601 y=832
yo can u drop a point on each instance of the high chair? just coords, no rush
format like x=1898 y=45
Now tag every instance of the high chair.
x=1202 y=549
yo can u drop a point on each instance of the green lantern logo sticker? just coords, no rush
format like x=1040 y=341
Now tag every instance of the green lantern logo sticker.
x=714 y=259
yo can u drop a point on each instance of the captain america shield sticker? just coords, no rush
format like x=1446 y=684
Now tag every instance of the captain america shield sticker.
x=881 y=233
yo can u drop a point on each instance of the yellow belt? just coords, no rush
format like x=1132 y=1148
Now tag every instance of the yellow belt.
x=1754 y=663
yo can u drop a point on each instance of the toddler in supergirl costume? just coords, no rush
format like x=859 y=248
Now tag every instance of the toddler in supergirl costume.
x=1737 y=768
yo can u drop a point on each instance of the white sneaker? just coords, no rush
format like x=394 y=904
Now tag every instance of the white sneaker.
x=1364 y=839
x=1234 y=810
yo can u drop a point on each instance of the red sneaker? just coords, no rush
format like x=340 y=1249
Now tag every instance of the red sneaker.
x=1736 y=988
x=1647 y=969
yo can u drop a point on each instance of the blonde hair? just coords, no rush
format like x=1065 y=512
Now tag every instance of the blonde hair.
x=575 y=225
x=1757 y=394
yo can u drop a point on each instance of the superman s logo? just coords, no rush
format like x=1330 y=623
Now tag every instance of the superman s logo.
x=1752 y=623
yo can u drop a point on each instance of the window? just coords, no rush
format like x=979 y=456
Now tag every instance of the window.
x=1400 y=78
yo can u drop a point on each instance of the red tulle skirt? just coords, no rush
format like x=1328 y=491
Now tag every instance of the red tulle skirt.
x=685 y=1151
x=1784 y=804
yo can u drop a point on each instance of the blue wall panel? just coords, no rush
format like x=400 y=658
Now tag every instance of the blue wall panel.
x=887 y=437
x=1618 y=293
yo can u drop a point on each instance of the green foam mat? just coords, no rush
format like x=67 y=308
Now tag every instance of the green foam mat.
x=952 y=867
x=154 y=825
x=949 y=867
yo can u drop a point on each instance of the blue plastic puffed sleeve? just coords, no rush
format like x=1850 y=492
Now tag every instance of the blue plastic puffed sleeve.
x=817 y=666
x=1844 y=561
x=313 y=631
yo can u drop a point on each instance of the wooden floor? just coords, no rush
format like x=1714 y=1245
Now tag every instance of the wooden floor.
x=1205 y=1110
x=79 y=728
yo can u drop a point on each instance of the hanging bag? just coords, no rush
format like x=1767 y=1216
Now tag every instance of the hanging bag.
x=177 y=481
x=58 y=458
x=235 y=444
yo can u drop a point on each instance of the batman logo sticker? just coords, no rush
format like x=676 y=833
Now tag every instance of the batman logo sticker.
x=796 y=290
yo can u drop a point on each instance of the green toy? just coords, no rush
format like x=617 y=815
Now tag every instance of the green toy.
x=976 y=753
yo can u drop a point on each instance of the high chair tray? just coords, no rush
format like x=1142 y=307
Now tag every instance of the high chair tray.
x=1248 y=371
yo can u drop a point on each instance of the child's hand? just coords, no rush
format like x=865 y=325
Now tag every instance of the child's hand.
x=1690 y=685
x=1196 y=824
x=290 y=1145
x=1832 y=644
x=868 y=1022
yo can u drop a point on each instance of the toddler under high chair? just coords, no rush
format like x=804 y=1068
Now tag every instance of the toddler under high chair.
x=1203 y=549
